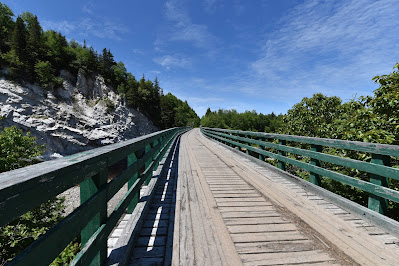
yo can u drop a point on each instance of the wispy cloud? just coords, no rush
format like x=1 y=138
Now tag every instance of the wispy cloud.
x=172 y=61
x=183 y=29
x=210 y=6
x=65 y=27
x=88 y=7
x=104 y=30
x=321 y=45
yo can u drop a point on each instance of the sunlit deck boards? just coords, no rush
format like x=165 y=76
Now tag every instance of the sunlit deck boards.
x=229 y=211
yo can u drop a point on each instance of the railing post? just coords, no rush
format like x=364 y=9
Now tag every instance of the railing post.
x=281 y=164
x=315 y=178
x=376 y=203
x=261 y=156
x=131 y=159
x=147 y=163
x=87 y=189
x=248 y=144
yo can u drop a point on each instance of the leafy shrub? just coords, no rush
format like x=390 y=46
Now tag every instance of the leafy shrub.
x=19 y=150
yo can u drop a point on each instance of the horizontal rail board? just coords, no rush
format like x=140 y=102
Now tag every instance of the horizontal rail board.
x=383 y=149
x=226 y=136
x=26 y=188
x=368 y=167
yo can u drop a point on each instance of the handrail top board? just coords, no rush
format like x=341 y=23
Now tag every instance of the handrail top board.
x=376 y=148
x=114 y=153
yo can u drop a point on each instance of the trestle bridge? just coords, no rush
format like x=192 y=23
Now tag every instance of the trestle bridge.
x=210 y=197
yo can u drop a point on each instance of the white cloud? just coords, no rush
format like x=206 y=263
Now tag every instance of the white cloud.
x=210 y=6
x=64 y=26
x=88 y=27
x=169 y=61
x=88 y=8
x=184 y=29
x=329 y=45
x=104 y=30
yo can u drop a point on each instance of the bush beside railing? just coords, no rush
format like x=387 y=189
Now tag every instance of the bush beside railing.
x=24 y=189
x=378 y=168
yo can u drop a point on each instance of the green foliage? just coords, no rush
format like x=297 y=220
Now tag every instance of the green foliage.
x=68 y=254
x=17 y=150
x=6 y=27
x=18 y=54
x=109 y=104
x=45 y=76
x=20 y=233
x=251 y=121
x=176 y=113
x=36 y=56
x=368 y=119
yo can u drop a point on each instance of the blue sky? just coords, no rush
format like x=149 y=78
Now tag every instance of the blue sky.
x=259 y=55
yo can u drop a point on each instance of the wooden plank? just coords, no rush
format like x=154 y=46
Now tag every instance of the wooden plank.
x=311 y=256
x=250 y=214
x=243 y=204
x=185 y=238
x=247 y=209
x=205 y=251
x=224 y=195
x=253 y=199
x=357 y=249
x=270 y=236
x=259 y=228
x=225 y=246
x=277 y=246
x=257 y=220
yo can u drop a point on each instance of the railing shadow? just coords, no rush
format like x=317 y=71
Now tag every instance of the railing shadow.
x=153 y=244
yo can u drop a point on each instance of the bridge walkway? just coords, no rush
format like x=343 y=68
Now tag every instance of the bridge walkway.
x=225 y=209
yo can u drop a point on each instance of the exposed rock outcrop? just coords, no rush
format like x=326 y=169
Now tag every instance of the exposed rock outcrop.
x=73 y=117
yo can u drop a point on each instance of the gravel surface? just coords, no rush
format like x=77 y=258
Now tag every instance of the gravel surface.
x=72 y=199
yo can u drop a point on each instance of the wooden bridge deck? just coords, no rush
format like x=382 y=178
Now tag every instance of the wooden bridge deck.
x=217 y=207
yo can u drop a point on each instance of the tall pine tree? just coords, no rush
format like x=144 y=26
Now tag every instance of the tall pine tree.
x=17 y=56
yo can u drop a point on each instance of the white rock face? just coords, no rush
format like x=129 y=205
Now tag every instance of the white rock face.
x=72 y=118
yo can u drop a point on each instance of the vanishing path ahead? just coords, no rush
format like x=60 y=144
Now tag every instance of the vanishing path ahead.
x=230 y=210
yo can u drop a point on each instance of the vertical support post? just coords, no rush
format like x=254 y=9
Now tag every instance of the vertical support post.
x=261 y=156
x=87 y=189
x=148 y=162
x=248 y=144
x=376 y=203
x=281 y=164
x=131 y=159
x=155 y=143
x=315 y=178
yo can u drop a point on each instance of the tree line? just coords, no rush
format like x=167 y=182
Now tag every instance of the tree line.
x=36 y=56
x=248 y=120
x=373 y=118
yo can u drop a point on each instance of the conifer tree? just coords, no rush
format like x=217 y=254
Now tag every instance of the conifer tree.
x=17 y=56
x=6 y=27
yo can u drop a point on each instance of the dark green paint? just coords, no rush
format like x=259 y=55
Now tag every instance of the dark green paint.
x=131 y=159
x=45 y=180
x=377 y=203
x=315 y=178
x=281 y=164
x=87 y=189
x=374 y=189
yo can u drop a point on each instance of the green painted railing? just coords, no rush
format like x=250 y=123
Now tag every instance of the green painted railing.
x=24 y=189
x=379 y=168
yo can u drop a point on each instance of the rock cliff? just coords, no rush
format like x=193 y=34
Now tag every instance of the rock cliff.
x=82 y=114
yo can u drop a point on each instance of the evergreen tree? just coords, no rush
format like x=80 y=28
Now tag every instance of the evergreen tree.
x=34 y=47
x=17 y=56
x=6 y=27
